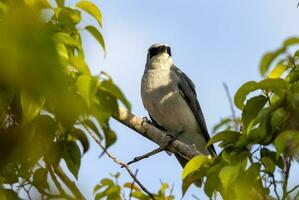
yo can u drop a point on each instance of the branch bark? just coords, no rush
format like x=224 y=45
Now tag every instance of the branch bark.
x=154 y=134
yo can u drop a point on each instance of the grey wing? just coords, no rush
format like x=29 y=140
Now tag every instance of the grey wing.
x=187 y=89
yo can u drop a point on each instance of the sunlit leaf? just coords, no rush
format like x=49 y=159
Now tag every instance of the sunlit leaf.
x=79 y=64
x=278 y=70
x=97 y=35
x=193 y=165
x=92 y=9
x=31 y=105
x=228 y=175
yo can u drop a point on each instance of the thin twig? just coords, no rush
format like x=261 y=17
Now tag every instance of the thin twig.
x=275 y=186
x=286 y=178
x=122 y=164
x=56 y=182
x=136 y=159
x=132 y=185
x=195 y=197
x=231 y=105
x=293 y=189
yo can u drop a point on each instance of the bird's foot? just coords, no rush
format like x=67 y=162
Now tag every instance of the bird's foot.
x=172 y=139
x=146 y=120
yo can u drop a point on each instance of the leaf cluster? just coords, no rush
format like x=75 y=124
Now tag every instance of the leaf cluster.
x=267 y=141
x=48 y=96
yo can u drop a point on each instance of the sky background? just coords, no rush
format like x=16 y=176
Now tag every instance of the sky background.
x=212 y=42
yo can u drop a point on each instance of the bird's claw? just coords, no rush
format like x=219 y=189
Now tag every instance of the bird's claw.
x=145 y=120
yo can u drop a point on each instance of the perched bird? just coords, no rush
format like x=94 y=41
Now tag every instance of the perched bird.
x=169 y=97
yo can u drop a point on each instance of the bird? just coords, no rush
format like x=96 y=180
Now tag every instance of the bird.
x=169 y=96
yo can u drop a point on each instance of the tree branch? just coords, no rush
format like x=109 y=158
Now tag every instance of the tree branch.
x=122 y=164
x=154 y=134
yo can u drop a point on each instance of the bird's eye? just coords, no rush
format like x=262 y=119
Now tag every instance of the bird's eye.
x=153 y=52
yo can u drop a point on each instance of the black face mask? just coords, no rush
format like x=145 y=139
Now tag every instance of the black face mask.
x=158 y=50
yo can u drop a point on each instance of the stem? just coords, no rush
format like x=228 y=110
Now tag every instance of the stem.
x=69 y=183
x=286 y=177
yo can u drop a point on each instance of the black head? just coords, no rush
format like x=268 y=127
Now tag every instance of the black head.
x=157 y=49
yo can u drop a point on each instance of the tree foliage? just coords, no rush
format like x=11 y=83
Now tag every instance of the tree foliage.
x=48 y=96
x=266 y=141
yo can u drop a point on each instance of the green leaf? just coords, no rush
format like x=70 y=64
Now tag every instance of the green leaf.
x=115 y=91
x=97 y=35
x=40 y=178
x=228 y=175
x=224 y=136
x=268 y=58
x=290 y=41
x=60 y=3
x=79 y=64
x=252 y=109
x=67 y=16
x=278 y=70
x=91 y=124
x=278 y=86
x=193 y=165
x=66 y=39
x=81 y=136
x=92 y=9
x=269 y=164
x=243 y=91
x=288 y=142
x=87 y=88
x=31 y=105
x=72 y=157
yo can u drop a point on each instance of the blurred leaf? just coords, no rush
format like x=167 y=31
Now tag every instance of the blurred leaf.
x=131 y=185
x=60 y=3
x=66 y=39
x=223 y=122
x=193 y=165
x=91 y=124
x=79 y=64
x=67 y=16
x=31 y=106
x=228 y=175
x=38 y=3
x=81 y=136
x=269 y=164
x=87 y=88
x=72 y=157
x=224 y=136
x=287 y=141
x=291 y=41
x=267 y=59
x=92 y=9
x=115 y=91
x=40 y=178
x=278 y=70
x=251 y=109
x=97 y=35
x=8 y=194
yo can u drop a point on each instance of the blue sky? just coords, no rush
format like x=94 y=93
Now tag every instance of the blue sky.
x=212 y=42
